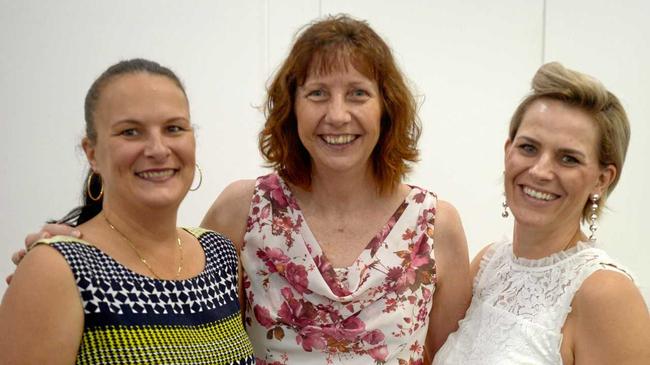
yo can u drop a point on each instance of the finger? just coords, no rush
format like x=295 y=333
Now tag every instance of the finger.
x=17 y=256
x=61 y=229
x=8 y=278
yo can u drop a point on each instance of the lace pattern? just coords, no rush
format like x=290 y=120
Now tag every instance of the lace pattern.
x=520 y=305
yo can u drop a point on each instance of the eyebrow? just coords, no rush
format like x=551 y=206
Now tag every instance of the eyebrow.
x=568 y=151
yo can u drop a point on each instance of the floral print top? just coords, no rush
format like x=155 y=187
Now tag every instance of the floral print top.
x=301 y=310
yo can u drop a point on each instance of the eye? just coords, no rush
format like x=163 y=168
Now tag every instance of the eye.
x=129 y=132
x=569 y=160
x=175 y=128
x=360 y=93
x=316 y=94
x=527 y=148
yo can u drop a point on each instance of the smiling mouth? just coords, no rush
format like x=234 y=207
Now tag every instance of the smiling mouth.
x=339 y=139
x=539 y=195
x=156 y=175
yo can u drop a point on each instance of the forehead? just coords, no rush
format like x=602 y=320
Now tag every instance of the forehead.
x=326 y=62
x=557 y=123
x=140 y=92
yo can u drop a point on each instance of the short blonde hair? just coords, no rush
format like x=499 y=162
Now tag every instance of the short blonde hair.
x=554 y=81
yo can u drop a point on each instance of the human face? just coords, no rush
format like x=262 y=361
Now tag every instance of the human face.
x=145 y=145
x=552 y=167
x=338 y=117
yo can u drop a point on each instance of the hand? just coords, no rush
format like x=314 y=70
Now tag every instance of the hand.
x=46 y=231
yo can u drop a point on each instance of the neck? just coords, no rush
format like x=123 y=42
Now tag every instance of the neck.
x=142 y=225
x=339 y=192
x=535 y=243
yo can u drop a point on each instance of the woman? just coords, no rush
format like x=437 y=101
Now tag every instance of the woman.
x=550 y=296
x=137 y=289
x=338 y=254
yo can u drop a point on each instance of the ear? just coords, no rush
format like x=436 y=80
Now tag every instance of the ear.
x=605 y=178
x=506 y=147
x=89 y=150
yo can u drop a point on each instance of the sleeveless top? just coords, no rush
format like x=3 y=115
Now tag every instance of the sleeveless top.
x=519 y=306
x=134 y=319
x=301 y=310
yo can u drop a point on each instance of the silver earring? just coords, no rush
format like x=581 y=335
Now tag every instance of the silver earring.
x=200 y=178
x=593 y=217
x=504 y=205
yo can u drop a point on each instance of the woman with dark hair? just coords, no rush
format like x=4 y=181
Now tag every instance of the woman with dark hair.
x=136 y=289
x=550 y=296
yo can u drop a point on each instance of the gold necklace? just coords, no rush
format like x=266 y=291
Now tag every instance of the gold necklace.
x=144 y=261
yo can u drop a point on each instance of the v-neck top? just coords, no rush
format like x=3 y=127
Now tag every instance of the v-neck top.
x=301 y=310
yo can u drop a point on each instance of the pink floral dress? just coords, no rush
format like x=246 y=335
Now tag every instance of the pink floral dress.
x=301 y=310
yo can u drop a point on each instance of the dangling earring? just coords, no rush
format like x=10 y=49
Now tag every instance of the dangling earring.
x=89 y=182
x=200 y=178
x=594 y=216
x=505 y=213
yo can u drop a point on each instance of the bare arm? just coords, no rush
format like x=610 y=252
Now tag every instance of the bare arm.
x=41 y=314
x=228 y=215
x=453 y=288
x=612 y=324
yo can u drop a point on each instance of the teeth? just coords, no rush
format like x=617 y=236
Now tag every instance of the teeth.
x=339 y=139
x=538 y=194
x=156 y=174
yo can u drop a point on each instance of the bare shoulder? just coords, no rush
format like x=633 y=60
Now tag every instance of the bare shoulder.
x=41 y=309
x=229 y=211
x=612 y=320
x=448 y=223
x=476 y=262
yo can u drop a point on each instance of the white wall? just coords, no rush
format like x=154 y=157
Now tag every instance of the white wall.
x=470 y=62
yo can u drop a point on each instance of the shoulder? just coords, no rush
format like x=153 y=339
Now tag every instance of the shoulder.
x=229 y=211
x=448 y=224
x=611 y=316
x=449 y=238
x=41 y=303
x=478 y=259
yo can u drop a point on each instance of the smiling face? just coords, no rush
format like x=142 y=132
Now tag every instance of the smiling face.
x=552 y=167
x=144 y=150
x=338 y=117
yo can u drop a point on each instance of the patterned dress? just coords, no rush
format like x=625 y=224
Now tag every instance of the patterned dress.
x=301 y=310
x=519 y=306
x=134 y=319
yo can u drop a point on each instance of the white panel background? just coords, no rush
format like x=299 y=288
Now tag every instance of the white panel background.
x=470 y=62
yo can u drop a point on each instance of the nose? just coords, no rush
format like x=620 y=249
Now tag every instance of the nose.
x=542 y=169
x=156 y=146
x=338 y=112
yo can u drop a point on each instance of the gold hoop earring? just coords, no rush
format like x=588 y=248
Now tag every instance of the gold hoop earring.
x=89 y=182
x=200 y=178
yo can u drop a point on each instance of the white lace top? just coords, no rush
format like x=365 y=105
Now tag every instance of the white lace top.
x=519 y=306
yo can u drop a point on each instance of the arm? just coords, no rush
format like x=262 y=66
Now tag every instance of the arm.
x=228 y=215
x=453 y=288
x=46 y=231
x=612 y=324
x=41 y=314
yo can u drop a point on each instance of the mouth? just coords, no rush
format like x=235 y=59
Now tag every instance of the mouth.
x=156 y=175
x=339 y=139
x=539 y=195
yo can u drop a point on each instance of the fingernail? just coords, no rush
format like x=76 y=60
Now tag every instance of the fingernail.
x=46 y=235
x=76 y=233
